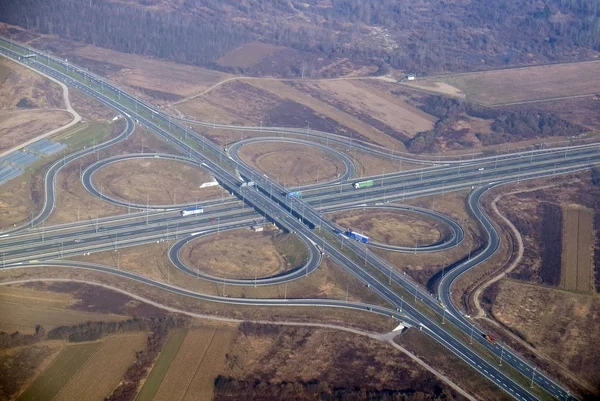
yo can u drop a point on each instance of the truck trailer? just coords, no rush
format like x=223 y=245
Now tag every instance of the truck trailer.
x=359 y=237
x=190 y=212
x=363 y=184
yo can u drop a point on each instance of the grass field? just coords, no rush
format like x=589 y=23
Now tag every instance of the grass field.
x=561 y=324
x=162 y=365
x=24 y=318
x=102 y=372
x=242 y=254
x=452 y=366
x=247 y=55
x=66 y=364
x=372 y=104
x=292 y=164
x=518 y=84
x=21 y=83
x=390 y=226
x=17 y=127
x=577 y=250
x=31 y=297
x=73 y=200
x=160 y=182
x=198 y=362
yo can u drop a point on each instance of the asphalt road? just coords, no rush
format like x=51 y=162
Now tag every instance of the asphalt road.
x=275 y=205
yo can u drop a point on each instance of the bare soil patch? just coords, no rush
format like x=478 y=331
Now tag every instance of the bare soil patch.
x=17 y=127
x=518 y=84
x=560 y=324
x=577 y=248
x=391 y=227
x=292 y=164
x=160 y=182
x=21 y=83
x=245 y=254
x=247 y=55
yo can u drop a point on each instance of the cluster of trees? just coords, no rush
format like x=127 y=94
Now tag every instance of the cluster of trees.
x=426 y=36
x=128 y=387
x=259 y=329
x=16 y=339
x=91 y=331
x=507 y=126
x=230 y=389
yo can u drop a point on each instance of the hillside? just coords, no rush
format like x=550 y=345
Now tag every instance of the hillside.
x=325 y=37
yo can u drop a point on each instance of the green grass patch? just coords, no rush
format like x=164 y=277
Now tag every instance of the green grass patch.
x=85 y=135
x=162 y=365
x=52 y=380
x=293 y=249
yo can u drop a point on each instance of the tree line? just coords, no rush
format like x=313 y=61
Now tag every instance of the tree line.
x=428 y=37
x=507 y=126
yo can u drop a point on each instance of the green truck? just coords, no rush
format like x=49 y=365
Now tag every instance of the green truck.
x=363 y=184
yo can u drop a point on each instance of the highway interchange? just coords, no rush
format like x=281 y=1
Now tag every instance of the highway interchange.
x=30 y=245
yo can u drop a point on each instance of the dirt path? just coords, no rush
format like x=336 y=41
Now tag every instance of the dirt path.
x=385 y=337
x=380 y=78
x=76 y=116
x=479 y=291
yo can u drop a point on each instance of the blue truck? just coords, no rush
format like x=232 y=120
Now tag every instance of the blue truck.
x=359 y=237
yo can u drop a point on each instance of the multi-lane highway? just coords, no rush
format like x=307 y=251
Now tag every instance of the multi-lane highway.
x=300 y=216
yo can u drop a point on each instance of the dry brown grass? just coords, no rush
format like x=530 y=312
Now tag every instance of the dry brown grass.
x=338 y=359
x=518 y=84
x=33 y=297
x=74 y=202
x=328 y=281
x=197 y=364
x=562 y=325
x=158 y=181
x=20 y=366
x=291 y=163
x=368 y=101
x=103 y=371
x=23 y=317
x=390 y=227
x=337 y=316
x=17 y=127
x=236 y=254
x=288 y=92
x=153 y=78
x=247 y=55
x=451 y=365
x=22 y=83
x=577 y=249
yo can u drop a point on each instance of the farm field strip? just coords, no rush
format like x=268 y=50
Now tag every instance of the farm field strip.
x=213 y=362
x=162 y=365
x=102 y=372
x=52 y=380
x=24 y=318
x=34 y=298
x=576 y=270
x=185 y=364
x=516 y=85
